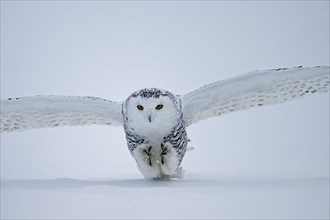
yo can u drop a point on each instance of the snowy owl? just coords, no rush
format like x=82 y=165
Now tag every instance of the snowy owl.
x=155 y=120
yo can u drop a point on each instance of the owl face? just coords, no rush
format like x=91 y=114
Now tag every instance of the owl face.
x=152 y=112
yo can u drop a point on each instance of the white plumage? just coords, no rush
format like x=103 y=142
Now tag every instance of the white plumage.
x=255 y=89
x=154 y=120
x=18 y=114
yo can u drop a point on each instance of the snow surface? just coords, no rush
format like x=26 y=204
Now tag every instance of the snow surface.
x=267 y=163
x=194 y=197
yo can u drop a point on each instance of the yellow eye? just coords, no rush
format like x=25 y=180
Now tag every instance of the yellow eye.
x=158 y=107
x=140 y=107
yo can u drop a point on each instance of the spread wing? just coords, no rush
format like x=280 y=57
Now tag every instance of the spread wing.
x=23 y=113
x=255 y=89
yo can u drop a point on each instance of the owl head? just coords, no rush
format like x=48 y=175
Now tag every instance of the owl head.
x=152 y=111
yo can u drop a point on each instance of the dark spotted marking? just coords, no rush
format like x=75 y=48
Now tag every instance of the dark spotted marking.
x=92 y=98
x=281 y=69
x=13 y=98
x=152 y=93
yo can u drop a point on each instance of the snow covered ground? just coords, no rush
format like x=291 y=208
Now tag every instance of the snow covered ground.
x=267 y=163
x=196 y=196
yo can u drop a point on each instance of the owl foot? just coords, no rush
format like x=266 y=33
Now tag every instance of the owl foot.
x=157 y=161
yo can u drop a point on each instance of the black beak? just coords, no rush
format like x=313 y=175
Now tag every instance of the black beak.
x=149 y=118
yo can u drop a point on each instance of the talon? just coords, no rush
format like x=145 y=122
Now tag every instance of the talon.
x=147 y=152
x=162 y=160
x=164 y=151
x=150 y=162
